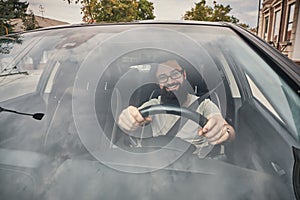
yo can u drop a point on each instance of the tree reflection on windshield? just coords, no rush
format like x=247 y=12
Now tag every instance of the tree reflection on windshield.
x=5 y=43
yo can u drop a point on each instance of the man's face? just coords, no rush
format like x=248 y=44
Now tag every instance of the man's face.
x=170 y=75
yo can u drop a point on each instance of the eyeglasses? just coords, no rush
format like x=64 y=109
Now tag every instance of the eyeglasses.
x=175 y=74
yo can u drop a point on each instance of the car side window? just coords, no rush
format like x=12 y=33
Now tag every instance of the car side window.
x=266 y=85
x=258 y=95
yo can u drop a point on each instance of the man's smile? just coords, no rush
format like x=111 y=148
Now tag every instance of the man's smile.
x=172 y=86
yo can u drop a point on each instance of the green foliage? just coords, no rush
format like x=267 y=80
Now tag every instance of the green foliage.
x=115 y=10
x=11 y=9
x=89 y=9
x=203 y=12
x=246 y=26
x=29 y=21
x=145 y=10
x=14 y=9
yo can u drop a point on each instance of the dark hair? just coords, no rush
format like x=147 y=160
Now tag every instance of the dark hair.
x=154 y=66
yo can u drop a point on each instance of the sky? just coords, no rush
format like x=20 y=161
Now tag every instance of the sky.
x=245 y=11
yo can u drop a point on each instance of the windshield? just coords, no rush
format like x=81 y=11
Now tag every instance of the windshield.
x=20 y=74
x=83 y=78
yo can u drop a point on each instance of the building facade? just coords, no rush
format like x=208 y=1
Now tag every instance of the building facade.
x=279 y=24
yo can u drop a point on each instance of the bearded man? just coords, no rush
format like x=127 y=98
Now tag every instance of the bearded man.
x=171 y=78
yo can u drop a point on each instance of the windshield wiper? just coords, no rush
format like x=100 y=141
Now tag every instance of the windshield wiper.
x=14 y=73
x=37 y=116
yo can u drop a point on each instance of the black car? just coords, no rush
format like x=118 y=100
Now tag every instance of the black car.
x=62 y=90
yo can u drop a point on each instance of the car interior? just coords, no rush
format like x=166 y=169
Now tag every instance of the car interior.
x=118 y=78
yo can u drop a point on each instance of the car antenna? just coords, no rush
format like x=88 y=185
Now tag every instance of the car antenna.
x=37 y=116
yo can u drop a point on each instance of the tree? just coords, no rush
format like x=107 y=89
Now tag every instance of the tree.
x=203 y=12
x=246 y=26
x=115 y=10
x=29 y=21
x=145 y=10
x=13 y=9
x=88 y=10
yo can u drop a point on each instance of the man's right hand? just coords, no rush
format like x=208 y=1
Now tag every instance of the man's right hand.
x=131 y=118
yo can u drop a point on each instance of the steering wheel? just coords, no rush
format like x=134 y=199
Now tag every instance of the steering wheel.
x=174 y=110
x=165 y=141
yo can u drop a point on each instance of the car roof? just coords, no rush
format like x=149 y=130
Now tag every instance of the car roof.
x=143 y=22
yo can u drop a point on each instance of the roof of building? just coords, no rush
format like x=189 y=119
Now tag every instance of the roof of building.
x=42 y=22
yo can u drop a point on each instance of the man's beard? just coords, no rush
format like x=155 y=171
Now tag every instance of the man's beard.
x=177 y=97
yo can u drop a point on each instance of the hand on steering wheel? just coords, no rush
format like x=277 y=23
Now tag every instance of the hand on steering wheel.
x=131 y=118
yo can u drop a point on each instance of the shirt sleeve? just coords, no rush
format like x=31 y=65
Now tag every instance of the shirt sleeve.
x=207 y=107
x=151 y=102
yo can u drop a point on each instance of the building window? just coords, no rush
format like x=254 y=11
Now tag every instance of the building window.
x=266 y=27
x=290 y=22
x=276 y=26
